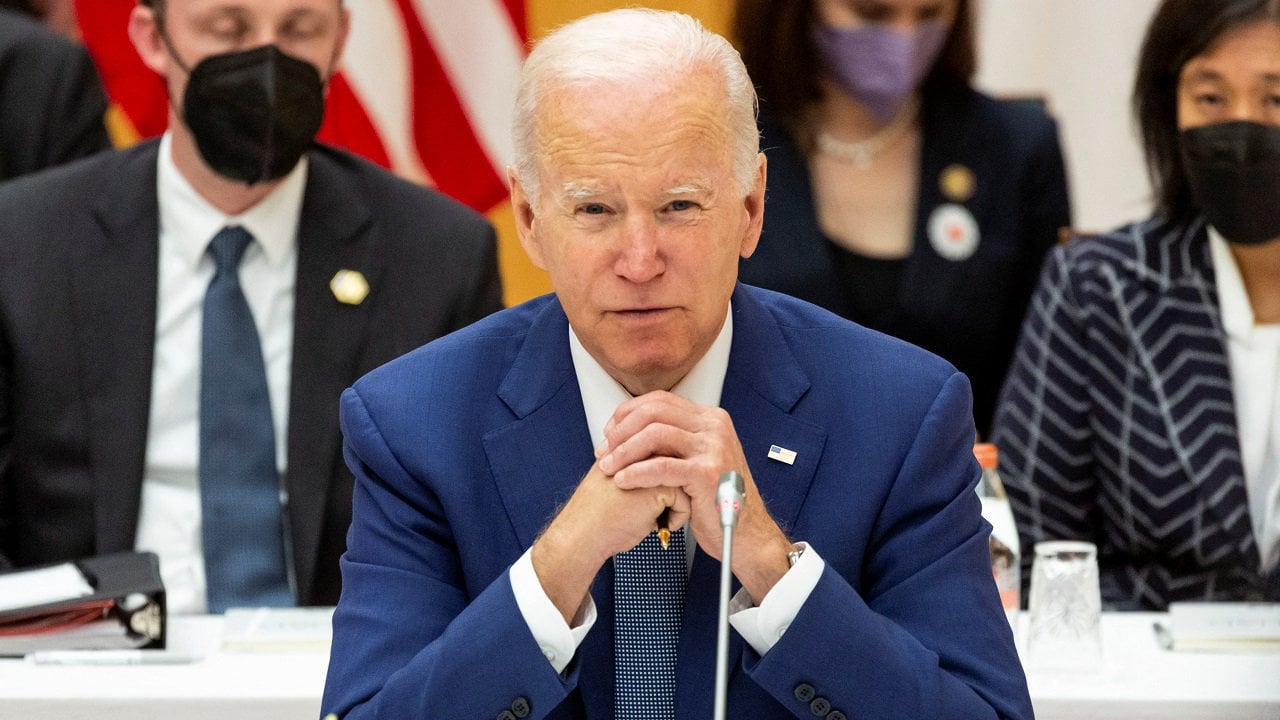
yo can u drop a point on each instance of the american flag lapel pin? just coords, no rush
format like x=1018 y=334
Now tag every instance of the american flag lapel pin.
x=781 y=454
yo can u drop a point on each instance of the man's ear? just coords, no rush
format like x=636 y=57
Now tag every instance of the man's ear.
x=522 y=206
x=753 y=204
x=144 y=31
x=344 y=29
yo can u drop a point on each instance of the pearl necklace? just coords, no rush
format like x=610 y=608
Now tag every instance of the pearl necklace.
x=863 y=152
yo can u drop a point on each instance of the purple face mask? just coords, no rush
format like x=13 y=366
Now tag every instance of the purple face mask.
x=877 y=66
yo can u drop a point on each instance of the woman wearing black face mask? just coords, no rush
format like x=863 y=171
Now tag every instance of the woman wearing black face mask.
x=1142 y=411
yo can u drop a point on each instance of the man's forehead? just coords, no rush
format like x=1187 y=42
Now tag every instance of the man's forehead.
x=247 y=7
x=594 y=187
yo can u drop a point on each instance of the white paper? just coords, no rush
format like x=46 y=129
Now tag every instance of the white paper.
x=278 y=629
x=27 y=588
x=1225 y=620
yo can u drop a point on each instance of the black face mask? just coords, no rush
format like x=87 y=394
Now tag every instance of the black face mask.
x=1234 y=172
x=253 y=113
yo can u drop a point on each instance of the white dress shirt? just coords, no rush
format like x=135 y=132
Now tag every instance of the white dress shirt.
x=762 y=626
x=1254 y=353
x=169 y=517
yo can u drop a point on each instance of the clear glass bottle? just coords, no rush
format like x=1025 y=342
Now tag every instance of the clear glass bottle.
x=1005 y=552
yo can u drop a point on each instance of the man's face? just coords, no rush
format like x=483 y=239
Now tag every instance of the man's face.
x=639 y=222
x=310 y=30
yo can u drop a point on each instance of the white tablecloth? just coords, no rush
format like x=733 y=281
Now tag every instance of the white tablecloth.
x=1136 y=680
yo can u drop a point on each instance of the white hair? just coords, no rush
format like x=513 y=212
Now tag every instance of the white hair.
x=633 y=45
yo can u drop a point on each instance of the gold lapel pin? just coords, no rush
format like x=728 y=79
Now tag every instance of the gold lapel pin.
x=349 y=287
x=957 y=183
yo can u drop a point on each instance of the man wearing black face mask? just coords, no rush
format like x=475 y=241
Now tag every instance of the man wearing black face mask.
x=178 y=319
x=1142 y=411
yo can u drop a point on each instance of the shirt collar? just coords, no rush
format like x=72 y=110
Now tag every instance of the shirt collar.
x=192 y=221
x=1233 y=300
x=601 y=394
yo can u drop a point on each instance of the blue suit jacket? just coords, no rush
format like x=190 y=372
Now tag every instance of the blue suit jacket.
x=464 y=449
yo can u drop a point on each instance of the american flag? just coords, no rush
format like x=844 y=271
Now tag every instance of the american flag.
x=425 y=87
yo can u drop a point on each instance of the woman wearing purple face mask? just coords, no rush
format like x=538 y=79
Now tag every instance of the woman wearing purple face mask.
x=898 y=196
x=1142 y=409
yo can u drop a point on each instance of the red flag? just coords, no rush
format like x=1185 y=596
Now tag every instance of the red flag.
x=133 y=88
x=425 y=87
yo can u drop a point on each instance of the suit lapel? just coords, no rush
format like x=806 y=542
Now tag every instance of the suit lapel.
x=537 y=462
x=1181 y=343
x=113 y=289
x=334 y=233
x=762 y=386
x=538 y=459
x=944 y=141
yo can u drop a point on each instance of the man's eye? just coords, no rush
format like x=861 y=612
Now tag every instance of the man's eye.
x=303 y=29
x=682 y=205
x=593 y=209
x=226 y=28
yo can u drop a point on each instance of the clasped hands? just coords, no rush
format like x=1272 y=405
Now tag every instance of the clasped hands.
x=660 y=451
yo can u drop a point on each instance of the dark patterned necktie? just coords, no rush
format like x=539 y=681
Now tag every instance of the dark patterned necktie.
x=243 y=531
x=648 y=596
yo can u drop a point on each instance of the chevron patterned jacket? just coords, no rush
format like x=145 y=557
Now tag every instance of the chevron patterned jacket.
x=1116 y=423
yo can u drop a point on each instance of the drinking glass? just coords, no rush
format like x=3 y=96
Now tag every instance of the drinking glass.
x=1065 y=607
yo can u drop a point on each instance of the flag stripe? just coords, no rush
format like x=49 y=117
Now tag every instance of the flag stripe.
x=348 y=125
x=481 y=54
x=376 y=64
x=446 y=142
x=139 y=93
x=516 y=11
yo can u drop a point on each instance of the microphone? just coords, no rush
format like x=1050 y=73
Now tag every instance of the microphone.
x=730 y=497
x=731 y=493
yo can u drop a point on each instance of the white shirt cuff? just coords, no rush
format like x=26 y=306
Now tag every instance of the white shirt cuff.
x=762 y=627
x=555 y=638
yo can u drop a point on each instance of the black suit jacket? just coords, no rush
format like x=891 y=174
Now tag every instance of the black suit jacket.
x=51 y=101
x=78 y=275
x=969 y=312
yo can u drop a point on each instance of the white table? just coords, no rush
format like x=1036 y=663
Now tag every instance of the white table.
x=222 y=686
x=1136 y=680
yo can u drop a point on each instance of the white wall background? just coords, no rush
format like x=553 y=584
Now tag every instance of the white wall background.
x=1080 y=55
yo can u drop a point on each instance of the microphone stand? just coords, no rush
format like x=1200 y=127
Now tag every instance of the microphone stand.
x=730 y=496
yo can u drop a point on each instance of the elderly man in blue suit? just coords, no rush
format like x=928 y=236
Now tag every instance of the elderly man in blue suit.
x=503 y=560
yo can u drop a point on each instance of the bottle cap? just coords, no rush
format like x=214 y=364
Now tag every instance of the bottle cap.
x=987 y=455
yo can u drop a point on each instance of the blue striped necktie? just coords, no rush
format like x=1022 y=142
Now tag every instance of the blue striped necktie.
x=243 y=528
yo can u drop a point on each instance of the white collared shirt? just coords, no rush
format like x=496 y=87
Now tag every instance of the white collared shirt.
x=762 y=626
x=1254 y=353
x=169 y=517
